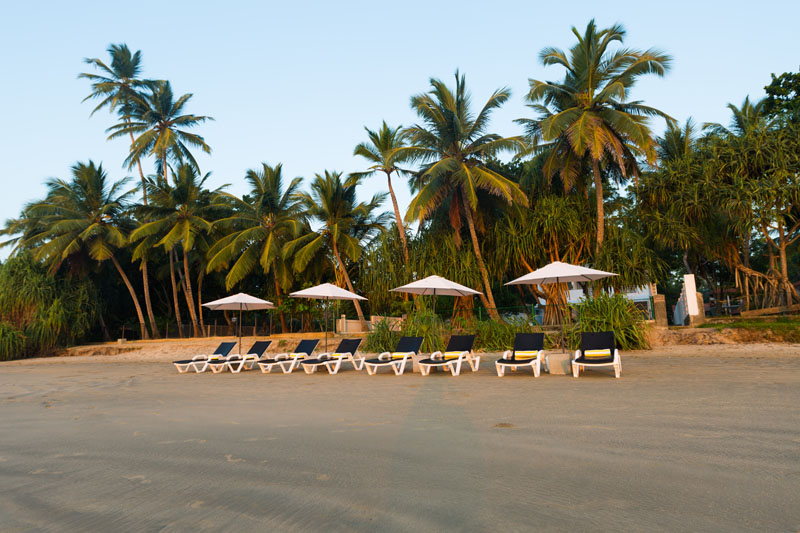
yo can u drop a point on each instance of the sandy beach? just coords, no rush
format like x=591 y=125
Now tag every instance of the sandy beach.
x=690 y=438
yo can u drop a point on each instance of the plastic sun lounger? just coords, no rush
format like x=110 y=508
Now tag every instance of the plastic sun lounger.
x=199 y=363
x=407 y=347
x=528 y=351
x=289 y=361
x=598 y=349
x=236 y=363
x=458 y=351
x=345 y=353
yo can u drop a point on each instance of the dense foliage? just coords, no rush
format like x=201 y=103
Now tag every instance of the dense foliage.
x=587 y=183
x=611 y=313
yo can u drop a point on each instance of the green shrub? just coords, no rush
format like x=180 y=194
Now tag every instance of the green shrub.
x=611 y=313
x=12 y=342
x=382 y=338
x=495 y=336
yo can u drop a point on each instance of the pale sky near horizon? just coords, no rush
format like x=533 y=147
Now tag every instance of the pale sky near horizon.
x=296 y=82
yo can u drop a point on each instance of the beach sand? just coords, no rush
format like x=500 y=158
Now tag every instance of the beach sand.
x=690 y=438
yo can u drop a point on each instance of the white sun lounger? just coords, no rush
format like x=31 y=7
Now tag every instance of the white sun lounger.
x=290 y=360
x=528 y=351
x=199 y=363
x=347 y=351
x=407 y=347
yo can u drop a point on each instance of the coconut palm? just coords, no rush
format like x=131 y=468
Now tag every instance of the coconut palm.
x=587 y=116
x=179 y=212
x=84 y=217
x=117 y=88
x=453 y=146
x=346 y=225
x=382 y=151
x=263 y=221
x=160 y=127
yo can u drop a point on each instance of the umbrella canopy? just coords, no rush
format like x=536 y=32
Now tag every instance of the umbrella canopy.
x=436 y=286
x=237 y=302
x=558 y=272
x=326 y=291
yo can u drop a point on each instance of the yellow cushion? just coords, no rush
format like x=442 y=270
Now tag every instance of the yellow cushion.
x=398 y=355
x=452 y=355
x=526 y=354
x=297 y=355
x=597 y=354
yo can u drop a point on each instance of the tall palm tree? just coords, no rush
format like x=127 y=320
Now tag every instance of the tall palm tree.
x=179 y=212
x=587 y=116
x=117 y=88
x=453 y=146
x=264 y=220
x=382 y=151
x=160 y=127
x=84 y=216
x=345 y=226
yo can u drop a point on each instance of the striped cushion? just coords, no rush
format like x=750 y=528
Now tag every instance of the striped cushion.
x=301 y=355
x=399 y=355
x=452 y=355
x=597 y=354
x=526 y=354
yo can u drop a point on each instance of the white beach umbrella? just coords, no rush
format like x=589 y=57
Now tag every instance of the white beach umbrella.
x=326 y=291
x=558 y=272
x=240 y=302
x=436 y=286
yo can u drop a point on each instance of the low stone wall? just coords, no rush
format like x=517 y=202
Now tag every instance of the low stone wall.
x=704 y=336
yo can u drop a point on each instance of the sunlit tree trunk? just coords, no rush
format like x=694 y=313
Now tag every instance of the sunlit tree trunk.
x=346 y=277
x=127 y=282
x=598 y=191
x=189 y=297
x=175 y=299
x=278 y=297
x=492 y=307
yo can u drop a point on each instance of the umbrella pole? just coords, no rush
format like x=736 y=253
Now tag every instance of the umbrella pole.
x=434 y=321
x=240 y=329
x=325 y=318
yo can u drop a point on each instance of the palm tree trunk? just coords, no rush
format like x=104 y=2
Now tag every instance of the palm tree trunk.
x=278 y=297
x=200 y=278
x=127 y=282
x=343 y=270
x=147 y=304
x=492 y=309
x=189 y=297
x=400 y=228
x=787 y=286
x=598 y=192
x=175 y=299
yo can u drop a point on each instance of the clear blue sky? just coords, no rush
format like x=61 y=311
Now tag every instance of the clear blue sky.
x=296 y=82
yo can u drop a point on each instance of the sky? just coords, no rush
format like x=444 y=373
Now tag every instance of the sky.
x=296 y=82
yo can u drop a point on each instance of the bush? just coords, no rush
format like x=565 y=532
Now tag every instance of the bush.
x=424 y=324
x=382 y=338
x=12 y=342
x=495 y=336
x=611 y=313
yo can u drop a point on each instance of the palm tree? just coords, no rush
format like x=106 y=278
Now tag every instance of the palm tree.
x=346 y=225
x=588 y=115
x=382 y=151
x=160 y=129
x=117 y=88
x=82 y=217
x=453 y=146
x=179 y=212
x=264 y=220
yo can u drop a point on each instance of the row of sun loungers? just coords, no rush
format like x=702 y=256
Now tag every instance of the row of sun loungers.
x=597 y=350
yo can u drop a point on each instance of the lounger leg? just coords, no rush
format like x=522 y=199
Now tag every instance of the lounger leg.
x=424 y=370
x=371 y=370
x=455 y=368
x=575 y=370
x=309 y=369
x=617 y=370
x=537 y=368
x=500 y=370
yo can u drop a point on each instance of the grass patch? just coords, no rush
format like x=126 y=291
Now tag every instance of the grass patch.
x=784 y=328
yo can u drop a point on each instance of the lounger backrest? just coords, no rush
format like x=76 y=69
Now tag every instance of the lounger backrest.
x=528 y=342
x=306 y=346
x=600 y=340
x=259 y=347
x=348 y=346
x=224 y=349
x=460 y=343
x=409 y=344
